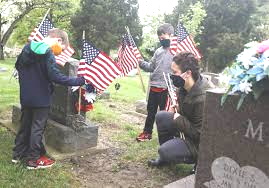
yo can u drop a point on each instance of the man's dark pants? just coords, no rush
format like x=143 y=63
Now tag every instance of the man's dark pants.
x=28 y=142
x=155 y=100
x=172 y=148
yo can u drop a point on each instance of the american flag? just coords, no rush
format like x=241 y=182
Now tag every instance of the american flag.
x=41 y=31
x=169 y=101
x=183 y=42
x=172 y=97
x=128 y=54
x=97 y=68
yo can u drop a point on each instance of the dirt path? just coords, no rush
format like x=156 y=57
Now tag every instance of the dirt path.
x=107 y=170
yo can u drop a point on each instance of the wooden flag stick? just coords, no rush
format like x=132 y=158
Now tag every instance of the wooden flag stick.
x=138 y=68
x=44 y=18
x=141 y=79
x=79 y=97
x=79 y=101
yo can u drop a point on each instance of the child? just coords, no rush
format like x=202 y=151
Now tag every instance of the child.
x=37 y=71
x=160 y=62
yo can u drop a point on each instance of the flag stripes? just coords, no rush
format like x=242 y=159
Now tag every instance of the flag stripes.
x=128 y=54
x=97 y=68
x=127 y=59
x=183 y=42
x=41 y=31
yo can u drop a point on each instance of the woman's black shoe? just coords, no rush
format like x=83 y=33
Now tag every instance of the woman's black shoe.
x=156 y=162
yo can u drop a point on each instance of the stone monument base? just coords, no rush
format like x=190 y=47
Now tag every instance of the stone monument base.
x=187 y=182
x=141 y=107
x=63 y=138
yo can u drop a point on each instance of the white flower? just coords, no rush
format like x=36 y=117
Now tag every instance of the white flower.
x=247 y=57
x=245 y=87
x=74 y=88
x=266 y=64
x=224 y=79
x=90 y=97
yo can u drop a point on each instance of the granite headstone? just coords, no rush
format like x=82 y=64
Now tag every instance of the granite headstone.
x=66 y=131
x=63 y=99
x=234 y=145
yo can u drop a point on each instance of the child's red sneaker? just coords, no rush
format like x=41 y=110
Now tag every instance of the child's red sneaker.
x=42 y=162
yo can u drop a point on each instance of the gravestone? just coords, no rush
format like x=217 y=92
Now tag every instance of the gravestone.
x=212 y=77
x=63 y=99
x=141 y=107
x=66 y=131
x=234 y=145
x=3 y=69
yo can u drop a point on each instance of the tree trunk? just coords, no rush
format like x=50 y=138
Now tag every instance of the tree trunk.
x=1 y=45
x=2 y=52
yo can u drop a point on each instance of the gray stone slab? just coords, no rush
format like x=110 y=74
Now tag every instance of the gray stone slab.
x=187 y=182
x=234 y=145
x=63 y=138
x=105 y=95
x=66 y=139
x=3 y=69
x=141 y=107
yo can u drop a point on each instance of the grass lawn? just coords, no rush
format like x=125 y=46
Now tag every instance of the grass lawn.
x=12 y=175
x=9 y=87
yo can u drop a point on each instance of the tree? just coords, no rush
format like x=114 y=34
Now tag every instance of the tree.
x=104 y=22
x=60 y=14
x=227 y=28
x=191 y=14
x=179 y=11
x=11 y=13
x=260 y=22
x=150 y=39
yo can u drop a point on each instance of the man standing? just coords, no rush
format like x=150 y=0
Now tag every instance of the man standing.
x=37 y=71
x=160 y=62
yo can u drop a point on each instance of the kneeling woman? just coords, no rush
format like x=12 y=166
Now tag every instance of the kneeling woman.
x=186 y=117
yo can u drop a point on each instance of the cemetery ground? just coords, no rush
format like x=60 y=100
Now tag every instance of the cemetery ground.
x=123 y=162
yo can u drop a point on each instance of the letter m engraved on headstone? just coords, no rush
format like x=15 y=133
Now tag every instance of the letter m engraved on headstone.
x=252 y=133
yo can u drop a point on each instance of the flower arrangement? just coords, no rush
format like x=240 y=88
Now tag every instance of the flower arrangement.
x=248 y=72
x=88 y=97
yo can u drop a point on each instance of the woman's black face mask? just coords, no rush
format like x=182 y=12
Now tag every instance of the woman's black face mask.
x=178 y=81
x=165 y=43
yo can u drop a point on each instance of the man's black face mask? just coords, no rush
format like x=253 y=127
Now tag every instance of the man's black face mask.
x=165 y=43
x=178 y=81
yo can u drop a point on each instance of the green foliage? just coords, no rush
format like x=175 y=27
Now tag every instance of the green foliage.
x=260 y=22
x=150 y=39
x=18 y=176
x=9 y=87
x=223 y=52
x=226 y=29
x=179 y=11
x=60 y=13
x=104 y=22
x=191 y=16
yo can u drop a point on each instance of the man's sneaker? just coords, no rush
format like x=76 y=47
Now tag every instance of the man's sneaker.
x=144 y=136
x=39 y=163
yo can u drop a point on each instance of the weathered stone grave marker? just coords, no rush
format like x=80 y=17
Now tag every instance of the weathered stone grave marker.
x=234 y=147
x=66 y=131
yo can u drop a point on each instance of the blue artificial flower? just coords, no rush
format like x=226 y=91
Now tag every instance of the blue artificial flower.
x=255 y=70
x=90 y=88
